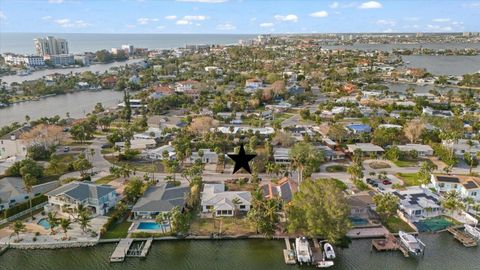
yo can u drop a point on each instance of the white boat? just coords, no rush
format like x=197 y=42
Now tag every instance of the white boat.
x=324 y=264
x=474 y=231
x=329 y=252
x=303 y=251
x=412 y=243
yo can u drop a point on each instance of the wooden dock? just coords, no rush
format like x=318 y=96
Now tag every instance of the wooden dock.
x=288 y=253
x=317 y=254
x=146 y=247
x=463 y=237
x=121 y=250
x=389 y=243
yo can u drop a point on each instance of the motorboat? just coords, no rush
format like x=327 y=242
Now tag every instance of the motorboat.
x=324 y=264
x=474 y=231
x=329 y=252
x=412 y=243
x=303 y=251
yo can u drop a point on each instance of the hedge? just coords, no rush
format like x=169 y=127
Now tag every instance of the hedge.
x=23 y=206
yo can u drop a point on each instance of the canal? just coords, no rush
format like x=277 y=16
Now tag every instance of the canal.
x=442 y=253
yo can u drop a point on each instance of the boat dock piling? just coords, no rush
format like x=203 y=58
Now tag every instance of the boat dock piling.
x=390 y=243
x=121 y=250
x=317 y=254
x=287 y=253
x=463 y=237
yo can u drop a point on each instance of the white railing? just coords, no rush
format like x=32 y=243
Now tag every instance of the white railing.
x=36 y=207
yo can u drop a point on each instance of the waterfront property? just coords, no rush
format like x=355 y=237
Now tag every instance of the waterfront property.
x=466 y=186
x=418 y=203
x=12 y=191
x=284 y=189
x=99 y=199
x=224 y=203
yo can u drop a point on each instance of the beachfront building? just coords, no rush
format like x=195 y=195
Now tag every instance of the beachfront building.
x=12 y=191
x=160 y=199
x=60 y=59
x=99 y=199
x=20 y=60
x=222 y=203
x=466 y=186
x=50 y=46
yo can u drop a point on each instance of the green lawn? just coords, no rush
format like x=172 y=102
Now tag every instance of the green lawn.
x=395 y=224
x=336 y=168
x=118 y=231
x=405 y=163
x=409 y=179
x=376 y=165
x=106 y=179
x=151 y=167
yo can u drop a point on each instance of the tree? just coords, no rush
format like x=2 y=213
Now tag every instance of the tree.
x=18 y=227
x=471 y=160
x=84 y=220
x=65 y=225
x=319 y=208
x=162 y=218
x=393 y=153
x=263 y=213
x=26 y=166
x=426 y=169
x=386 y=204
x=133 y=190
x=194 y=173
x=127 y=110
x=52 y=221
x=179 y=222
x=202 y=124
x=413 y=130
x=29 y=180
x=98 y=108
x=81 y=164
x=451 y=201
x=305 y=158
x=54 y=164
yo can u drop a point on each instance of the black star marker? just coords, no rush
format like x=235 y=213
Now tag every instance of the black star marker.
x=241 y=160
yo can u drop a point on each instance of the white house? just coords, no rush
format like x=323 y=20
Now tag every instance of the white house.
x=185 y=86
x=12 y=191
x=423 y=150
x=157 y=153
x=138 y=144
x=151 y=133
x=367 y=148
x=12 y=147
x=222 y=203
x=418 y=203
x=253 y=83
x=463 y=146
x=99 y=199
x=208 y=156
x=466 y=186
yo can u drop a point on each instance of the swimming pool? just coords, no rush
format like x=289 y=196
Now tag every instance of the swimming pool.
x=149 y=226
x=356 y=221
x=44 y=223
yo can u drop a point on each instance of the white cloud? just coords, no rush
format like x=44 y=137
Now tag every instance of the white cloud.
x=67 y=23
x=370 y=5
x=440 y=20
x=319 y=14
x=204 y=1
x=266 y=24
x=387 y=22
x=170 y=17
x=2 y=16
x=46 y=18
x=286 y=18
x=194 y=18
x=411 y=19
x=226 y=26
x=439 y=28
x=143 y=20
x=334 y=5
x=183 y=22
x=55 y=1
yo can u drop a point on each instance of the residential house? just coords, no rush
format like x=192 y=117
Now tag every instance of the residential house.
x=283 y=189
x=253 y=84
x=418 y=203
x=157 y=153
x=160 y=91
x=12 y=146
x=206 y=156
x=359 y=128
x=462 y=146
x=99 y=199
x=185 y=86
x=361 y=208
x=439 y=113
x=222 y=203
x=160 y=199
x=138 y=144
x=466 y=186
x=366 y=148
x=12 y=191
x=109 y=82
x=423 y=150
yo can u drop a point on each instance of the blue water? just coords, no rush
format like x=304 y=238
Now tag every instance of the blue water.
x=149 y=226
x=358 y=221
x=44 y=223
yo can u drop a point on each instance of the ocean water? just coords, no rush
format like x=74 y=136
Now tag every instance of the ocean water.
x=78 y=43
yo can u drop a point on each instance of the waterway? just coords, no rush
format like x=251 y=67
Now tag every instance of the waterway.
x=442 y=253
x=444 y=65
x=77 y=104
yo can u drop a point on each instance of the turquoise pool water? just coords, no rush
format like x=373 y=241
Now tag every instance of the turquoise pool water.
x=358 y=221
x=44 y=223
x=149 y=226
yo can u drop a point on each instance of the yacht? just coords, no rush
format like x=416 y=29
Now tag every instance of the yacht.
x=412 y=243
x=303 y=251
x=474 y=231
x=329 y=252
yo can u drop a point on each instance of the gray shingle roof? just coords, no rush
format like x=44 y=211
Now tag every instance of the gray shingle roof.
x=82 y=190
x=161 y=198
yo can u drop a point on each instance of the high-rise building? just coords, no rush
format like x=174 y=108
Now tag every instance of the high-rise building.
x=51 y=46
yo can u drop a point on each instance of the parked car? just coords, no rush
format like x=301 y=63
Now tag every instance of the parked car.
x=66 y=149
x=387 y=182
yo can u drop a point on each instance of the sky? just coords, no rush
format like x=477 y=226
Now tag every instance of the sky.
x=238 y=16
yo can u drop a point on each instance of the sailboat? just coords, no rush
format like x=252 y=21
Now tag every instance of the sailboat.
x=474 y=231
x=412 y=243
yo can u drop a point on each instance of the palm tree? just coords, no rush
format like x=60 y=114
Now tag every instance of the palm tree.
x=469 y=201
x=84 y=220
x=52 y=221
x=29 y=180
x=54 y=164
x=161 y=219
x=18 y=227
x=65 y=225
x=452 y=202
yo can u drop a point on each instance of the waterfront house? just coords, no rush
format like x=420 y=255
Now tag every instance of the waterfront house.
x=160 y=91
x=160 y=199
x=222 y=203
x=283 y=189
x=362 y=208
x=418 y=203
x=99 y=199
x=12 y=191
x=466 y=186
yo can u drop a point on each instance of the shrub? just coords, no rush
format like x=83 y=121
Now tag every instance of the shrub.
x=23 y=206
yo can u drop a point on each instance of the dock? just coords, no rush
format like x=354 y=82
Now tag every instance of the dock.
x=317 y=254
x=389 y=243
x=121 y=250
x=288 y=253
x=466 y=239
